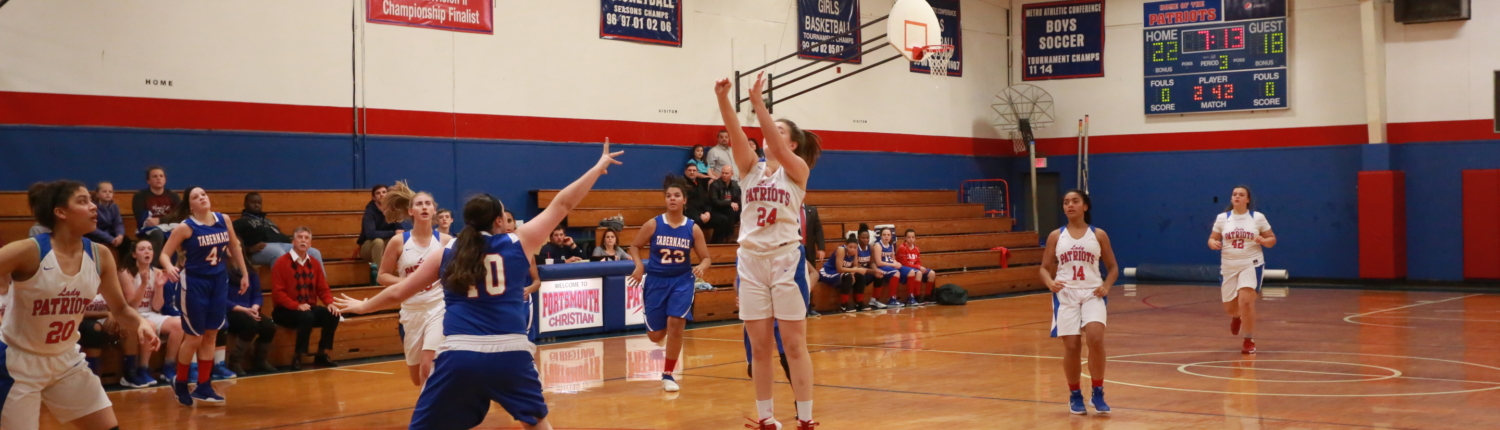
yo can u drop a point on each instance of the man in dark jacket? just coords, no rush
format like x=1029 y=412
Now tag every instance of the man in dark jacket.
x=263 y=241
x=725 y=197
x=561 y=249
x=149 y=206
x=374 y=231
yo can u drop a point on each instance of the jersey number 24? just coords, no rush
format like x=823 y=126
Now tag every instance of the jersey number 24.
x=762 y=217
x=494 y=277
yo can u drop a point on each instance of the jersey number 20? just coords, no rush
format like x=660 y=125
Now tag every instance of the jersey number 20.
x=762 y=218
x=494 y=277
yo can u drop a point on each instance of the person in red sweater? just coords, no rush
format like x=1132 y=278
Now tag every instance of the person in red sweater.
x=298 y=286
x=913 y=274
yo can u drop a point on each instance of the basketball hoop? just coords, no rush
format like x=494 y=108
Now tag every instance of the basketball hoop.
x=937 y=57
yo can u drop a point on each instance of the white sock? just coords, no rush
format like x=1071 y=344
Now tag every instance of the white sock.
x=766 y=408
x=804 y=410
x=218 y=356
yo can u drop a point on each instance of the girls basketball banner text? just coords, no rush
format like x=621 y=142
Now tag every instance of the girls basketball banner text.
x=470 y=16
x=825 y=20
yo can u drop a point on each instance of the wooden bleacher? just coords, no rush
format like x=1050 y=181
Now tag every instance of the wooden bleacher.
x=956 y=239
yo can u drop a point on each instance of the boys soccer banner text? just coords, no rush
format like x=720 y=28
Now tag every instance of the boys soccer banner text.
x=1063 y=40
x=821 y=20
x=649 y=21
x=471 y=16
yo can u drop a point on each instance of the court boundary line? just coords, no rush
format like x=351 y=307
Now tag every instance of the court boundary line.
x=1347 y=319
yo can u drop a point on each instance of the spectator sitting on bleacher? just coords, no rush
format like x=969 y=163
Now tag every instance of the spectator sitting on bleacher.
x=609 y=248
x=263 y=241
x=445 y=221
x=700 y=204
x=110 y=227
x=149 y=206
x=699 y=160
x=246 y=324
x=297 y=287
x=374 y=231
x=724 y=196
x=561 y=249
x=720 y=157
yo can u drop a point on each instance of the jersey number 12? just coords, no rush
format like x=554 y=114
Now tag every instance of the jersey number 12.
x=494 y=277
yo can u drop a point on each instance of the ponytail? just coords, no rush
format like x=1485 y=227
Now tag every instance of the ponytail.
x=467 y=268
x=397 y=201
x=183 y=209
x=809 y=144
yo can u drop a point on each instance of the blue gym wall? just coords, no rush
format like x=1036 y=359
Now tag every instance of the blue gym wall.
x=1434 y=203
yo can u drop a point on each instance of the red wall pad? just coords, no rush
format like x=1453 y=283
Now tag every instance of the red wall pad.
x=1382 y=224
x=1481 y=231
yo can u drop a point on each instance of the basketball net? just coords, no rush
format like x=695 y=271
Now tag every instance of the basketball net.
x=937 y=57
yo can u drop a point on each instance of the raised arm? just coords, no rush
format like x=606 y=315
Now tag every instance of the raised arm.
x=776 y=146
x=533 y=234
x=426 y=274
x=744 y=154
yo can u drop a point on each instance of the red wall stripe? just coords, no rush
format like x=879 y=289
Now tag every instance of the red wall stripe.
x=139 y=112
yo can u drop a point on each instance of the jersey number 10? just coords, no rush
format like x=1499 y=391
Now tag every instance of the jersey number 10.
x=494 y=277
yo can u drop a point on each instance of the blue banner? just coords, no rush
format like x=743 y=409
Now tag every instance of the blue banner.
x=1217 y=92
x=950 y=19
x=836 y=21
x=1179 y=12
x=649 y=21
x=1063 y=40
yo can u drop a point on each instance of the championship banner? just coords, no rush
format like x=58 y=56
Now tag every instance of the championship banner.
x=470 y=16
x=635 y=302
x=821 y=20
x=571 y=304
x=949 y=18
x=1062 y=40
x=648 y=21
x=646 y=360
x=572 y=369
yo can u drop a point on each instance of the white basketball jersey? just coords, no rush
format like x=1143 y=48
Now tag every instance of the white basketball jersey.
x=412 y=256
x=1239 y=232
x=44 y=311
x=1078 y=260
x=771 y=215
x=147 y=281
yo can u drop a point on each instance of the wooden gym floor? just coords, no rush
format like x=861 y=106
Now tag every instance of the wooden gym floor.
x=1329 y=359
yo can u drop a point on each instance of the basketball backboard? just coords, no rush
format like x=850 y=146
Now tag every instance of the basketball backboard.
x=913 y=24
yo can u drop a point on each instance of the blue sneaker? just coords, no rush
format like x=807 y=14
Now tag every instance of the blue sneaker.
x=895 y=303
x=913 y=302
x=132 y=379
x=1075 y=403
x=222 y=372
x=1099 y=406
x=205 y=393
x=669 y=384
x=169 y=373
x=144 y=374
x=181 y=390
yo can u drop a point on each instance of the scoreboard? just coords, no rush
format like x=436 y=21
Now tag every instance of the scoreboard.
x=1215 y=56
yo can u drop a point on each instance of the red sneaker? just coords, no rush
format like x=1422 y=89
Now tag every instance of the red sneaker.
x=806 y=424
x=764 y=424
x=1234 y=326
x=1249 y=347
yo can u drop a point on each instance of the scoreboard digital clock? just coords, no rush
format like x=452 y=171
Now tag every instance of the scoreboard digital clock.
x=1215 y=55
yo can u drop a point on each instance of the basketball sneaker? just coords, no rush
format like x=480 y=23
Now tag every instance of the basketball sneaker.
x=876 y=304
x=806 y=424
x=1249 y=347
x=180 y=388
x=860 y=307
x=894 y=303
x=205 y=393
x=221 y=371
x=133 y=379
x=1234 y=326
x=1075 y=403
x=764 y=424
x=844 y=309
x=169 y=372
x=144 y=374
x=1099 y=406
x=914 y=302
x=669 y=384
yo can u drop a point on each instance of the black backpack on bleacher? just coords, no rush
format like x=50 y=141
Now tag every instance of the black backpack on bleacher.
x=952 y=295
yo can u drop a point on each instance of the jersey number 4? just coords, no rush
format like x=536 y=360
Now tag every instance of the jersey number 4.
x=1078 y=273
x=213 y=255
x=61 y=331
x=762 y=218
x=673 y=256
x=494 y=277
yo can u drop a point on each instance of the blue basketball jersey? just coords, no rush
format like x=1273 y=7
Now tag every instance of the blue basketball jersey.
x=670 y=248
x=498 y=305
x=849 y=259
x=887 y=252
x=207 y=249
x=864 y=256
